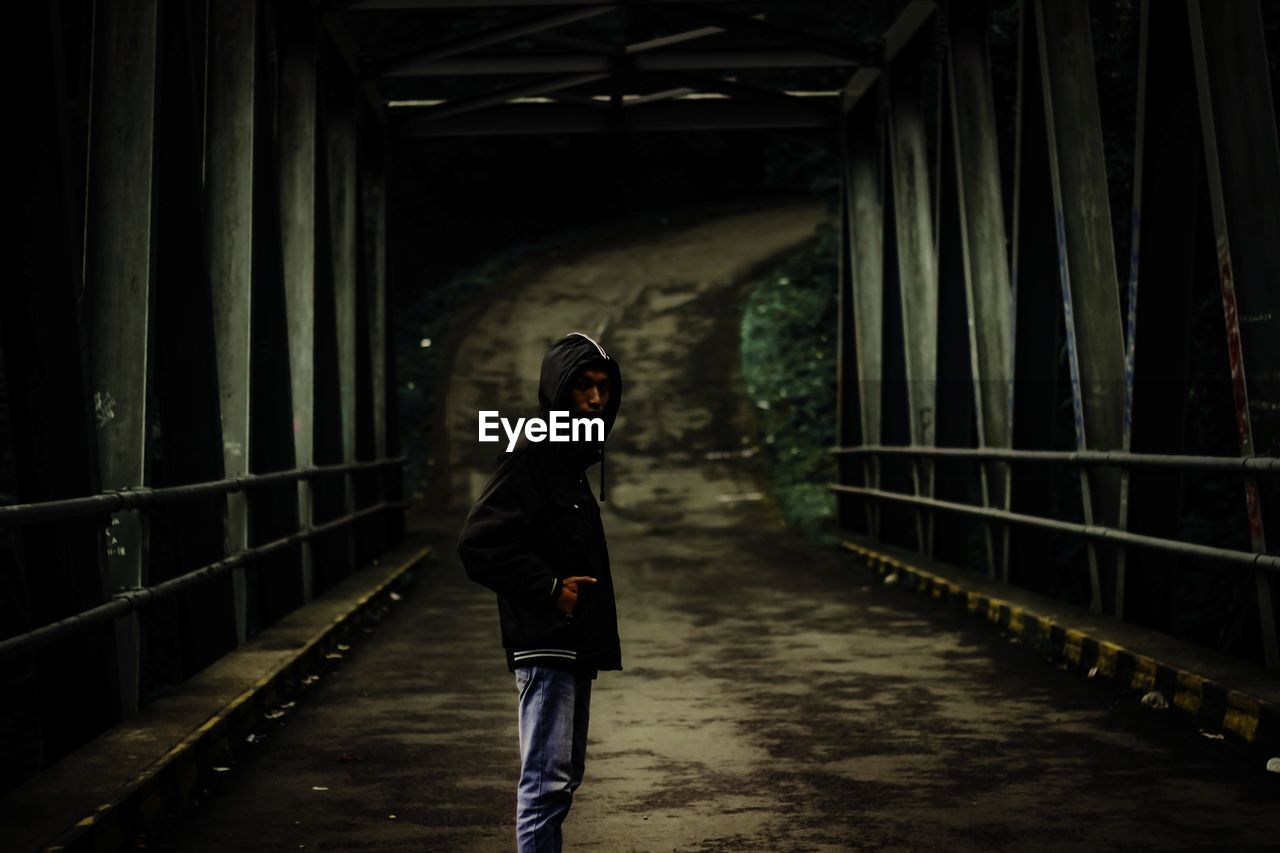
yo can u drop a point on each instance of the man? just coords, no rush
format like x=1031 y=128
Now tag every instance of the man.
x=534 y=537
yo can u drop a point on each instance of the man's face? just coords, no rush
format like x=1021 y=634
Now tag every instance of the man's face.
x=589 y=393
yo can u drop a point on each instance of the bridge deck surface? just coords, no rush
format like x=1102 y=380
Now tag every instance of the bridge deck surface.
x=772 y=698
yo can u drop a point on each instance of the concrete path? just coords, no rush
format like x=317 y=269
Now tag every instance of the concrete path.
x=771 y=698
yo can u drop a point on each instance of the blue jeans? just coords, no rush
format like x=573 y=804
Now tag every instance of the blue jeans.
x=553 y=752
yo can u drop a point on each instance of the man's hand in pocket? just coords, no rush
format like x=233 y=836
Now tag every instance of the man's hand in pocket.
x=568 y=599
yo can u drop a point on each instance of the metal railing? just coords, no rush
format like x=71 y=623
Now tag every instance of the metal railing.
x=1251 y=468
x=1248 y=465
x=1110 y=458
x=128 y=601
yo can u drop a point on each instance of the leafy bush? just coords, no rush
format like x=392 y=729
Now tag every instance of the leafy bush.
x=789 y=339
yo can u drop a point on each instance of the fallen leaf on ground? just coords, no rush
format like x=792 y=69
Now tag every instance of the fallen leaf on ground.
x=1155 y=699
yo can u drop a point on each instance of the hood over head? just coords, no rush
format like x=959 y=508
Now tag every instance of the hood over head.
x=563 y=361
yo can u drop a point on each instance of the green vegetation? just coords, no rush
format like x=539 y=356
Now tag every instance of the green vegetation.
x=789 y=339
x=419 y=334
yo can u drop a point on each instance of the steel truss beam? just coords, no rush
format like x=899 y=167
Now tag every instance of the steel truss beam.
x=987 y=289
x=1162 y=256
x=863 y=236
x=677 y=115
x=120 y=246
x=391 y=5
x=298 y=125
x=374 y=162
x=917 y=266
x=341 y=42
x=1242 y=160
x=786 y=35
x=229 y=179
x=488 y=38
x=727 y=59
x=711 y=83
x=1037 y=327
x=1086 y=263
x=341 y=184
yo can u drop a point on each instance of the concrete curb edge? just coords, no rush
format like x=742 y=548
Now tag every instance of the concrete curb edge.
x=1245 y=717
x=170 y=781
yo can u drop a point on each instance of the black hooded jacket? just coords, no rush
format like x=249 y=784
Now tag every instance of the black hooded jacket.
x=536 y=523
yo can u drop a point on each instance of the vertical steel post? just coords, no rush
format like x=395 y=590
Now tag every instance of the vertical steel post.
x=229 y=182
x=846 y=389
x=373 y=187
x=988 y=294
x=52 y=569
x=1086 y=261
x=866 y=249
x=917 y=268
x=296 y=133
x=1037 y=330
x=956 y=413
x=1242 y=160
x=1158 y=318
x=119 y=268
x=340 y=177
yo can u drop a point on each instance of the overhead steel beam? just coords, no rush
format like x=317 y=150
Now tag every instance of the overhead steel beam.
x=1242 y=159
x=593 y=46
x=120 y=245
x=668 y=115
x=341 y=41
x=781 y=34
x=582 y=44
x=229 y=183
x=653 y=97
x=710 y=83
x=582 y=100
x=728 y=59
x=493 y=35
x=631 y=49
x=389 y=5
x=589 y=45
x=858 y=86
x=909 y=24
x=668 y=40
x=501 y=96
